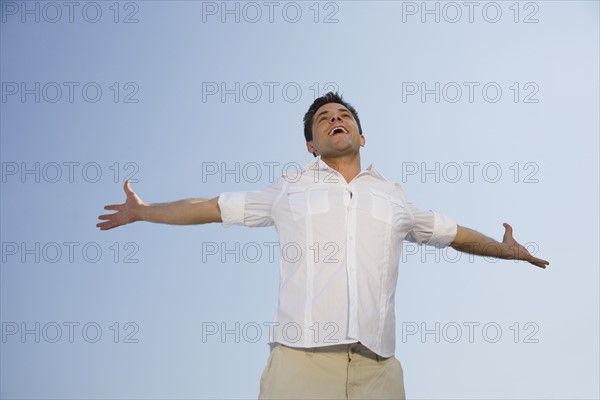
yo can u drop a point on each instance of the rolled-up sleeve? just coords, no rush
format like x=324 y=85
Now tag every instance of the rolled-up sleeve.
x=232 y=205
x=252 y=208
x=431 y=228
x=444 y=231
x=428 y=227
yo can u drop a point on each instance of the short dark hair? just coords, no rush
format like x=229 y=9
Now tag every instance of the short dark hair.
x=330 y=97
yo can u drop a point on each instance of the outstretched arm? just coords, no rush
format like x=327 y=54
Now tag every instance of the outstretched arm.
x=182 y=212
x=470 y=241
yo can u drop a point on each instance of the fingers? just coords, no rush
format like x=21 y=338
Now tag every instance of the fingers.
x=109 y=224
x=104 y=226
x=110 y=218
x=107 y=216
x=538 y=262
x=508 y=237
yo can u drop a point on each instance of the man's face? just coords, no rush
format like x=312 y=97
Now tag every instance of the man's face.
x=335 y=132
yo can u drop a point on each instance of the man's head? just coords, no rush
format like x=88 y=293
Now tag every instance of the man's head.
x=321 y=120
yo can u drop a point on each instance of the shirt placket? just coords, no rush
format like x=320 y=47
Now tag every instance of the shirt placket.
x=349 y=201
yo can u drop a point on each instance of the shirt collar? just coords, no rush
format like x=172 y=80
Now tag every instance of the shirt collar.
x=373 y=171
x=320 y=165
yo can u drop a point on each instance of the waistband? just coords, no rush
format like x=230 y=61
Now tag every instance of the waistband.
x=341 y=350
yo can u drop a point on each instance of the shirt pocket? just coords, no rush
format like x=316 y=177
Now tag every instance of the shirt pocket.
x=385 y=207
x=308 y=200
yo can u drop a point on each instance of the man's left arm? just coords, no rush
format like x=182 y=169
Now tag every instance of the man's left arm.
x=472 y=242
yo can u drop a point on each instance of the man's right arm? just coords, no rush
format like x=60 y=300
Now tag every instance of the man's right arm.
x=182 y=212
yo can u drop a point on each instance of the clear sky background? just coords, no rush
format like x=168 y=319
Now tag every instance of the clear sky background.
x=175 y=94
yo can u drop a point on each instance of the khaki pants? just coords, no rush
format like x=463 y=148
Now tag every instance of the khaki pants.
x=346 y=371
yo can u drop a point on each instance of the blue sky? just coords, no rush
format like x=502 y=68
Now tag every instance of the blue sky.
x=488 y=115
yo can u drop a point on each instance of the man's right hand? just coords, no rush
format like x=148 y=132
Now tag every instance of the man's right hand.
x=127 y=212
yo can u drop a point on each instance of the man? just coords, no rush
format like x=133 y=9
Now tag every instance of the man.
x=337 y=293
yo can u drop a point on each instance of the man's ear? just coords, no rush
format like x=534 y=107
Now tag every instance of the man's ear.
x=362 y=140
x=311 y=149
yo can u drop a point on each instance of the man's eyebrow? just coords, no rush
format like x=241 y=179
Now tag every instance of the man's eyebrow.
x=327 y=111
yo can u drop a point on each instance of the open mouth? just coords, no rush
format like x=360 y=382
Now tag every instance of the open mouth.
x=337 y=129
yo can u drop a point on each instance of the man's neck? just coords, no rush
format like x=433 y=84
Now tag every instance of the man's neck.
x=348 y=165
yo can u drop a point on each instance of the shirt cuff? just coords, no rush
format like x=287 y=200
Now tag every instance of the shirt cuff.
x=444 y=231
x=232 y=205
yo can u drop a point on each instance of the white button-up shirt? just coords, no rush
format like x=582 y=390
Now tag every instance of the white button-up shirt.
x=340 y=247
